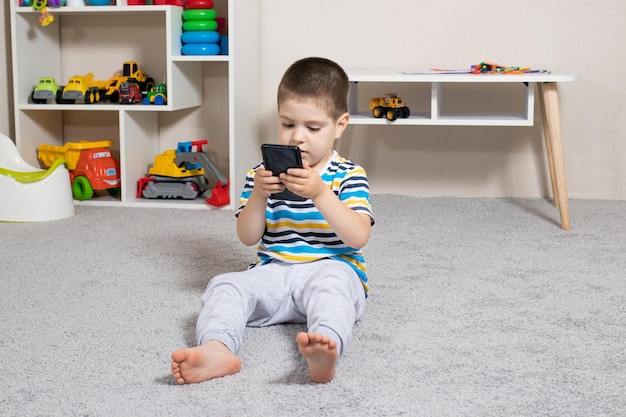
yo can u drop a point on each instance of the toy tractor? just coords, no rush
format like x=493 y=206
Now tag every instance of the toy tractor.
x=391 y=106
x=157 y=95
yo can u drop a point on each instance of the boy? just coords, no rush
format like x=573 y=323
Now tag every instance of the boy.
x=310 y=267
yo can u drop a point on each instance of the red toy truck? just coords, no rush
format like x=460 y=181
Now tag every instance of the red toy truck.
x=130 y=93
x=91 y=166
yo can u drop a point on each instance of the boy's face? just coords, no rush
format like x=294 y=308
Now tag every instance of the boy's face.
x=304 y=124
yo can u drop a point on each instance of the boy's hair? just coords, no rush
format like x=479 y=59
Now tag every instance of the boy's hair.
x=317 y=79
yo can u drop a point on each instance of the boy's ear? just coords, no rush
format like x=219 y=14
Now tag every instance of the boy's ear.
x=342 y=123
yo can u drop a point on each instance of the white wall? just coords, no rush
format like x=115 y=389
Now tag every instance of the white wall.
x=560 y=35
x=6 y=93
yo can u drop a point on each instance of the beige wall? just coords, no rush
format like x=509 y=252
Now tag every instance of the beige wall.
x=561 y=35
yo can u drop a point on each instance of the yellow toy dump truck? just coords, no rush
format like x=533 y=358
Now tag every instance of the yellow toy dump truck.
x=390 y=106
x=91 y=166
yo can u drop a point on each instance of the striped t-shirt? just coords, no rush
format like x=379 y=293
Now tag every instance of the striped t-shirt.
x=295 y=231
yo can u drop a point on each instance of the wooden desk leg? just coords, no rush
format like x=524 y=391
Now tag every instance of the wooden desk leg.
x=546 y=136
x=549 y=100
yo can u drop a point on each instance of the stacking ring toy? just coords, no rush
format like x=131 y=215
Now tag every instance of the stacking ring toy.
x=200 y=25
x=200 y=36
x=199 y=14
x=201 y=49
x=199 y=4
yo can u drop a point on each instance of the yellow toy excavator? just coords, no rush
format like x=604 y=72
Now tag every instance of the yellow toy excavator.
x=181 y=173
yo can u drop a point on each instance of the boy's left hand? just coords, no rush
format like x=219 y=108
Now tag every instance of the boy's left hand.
x=305 y=181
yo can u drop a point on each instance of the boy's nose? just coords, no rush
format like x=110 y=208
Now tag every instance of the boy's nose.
x=297 y=136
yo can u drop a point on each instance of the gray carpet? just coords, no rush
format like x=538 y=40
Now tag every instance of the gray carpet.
x=479 y=307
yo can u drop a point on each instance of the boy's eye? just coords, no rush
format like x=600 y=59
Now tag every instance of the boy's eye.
x=288 y=125
x=314 y=128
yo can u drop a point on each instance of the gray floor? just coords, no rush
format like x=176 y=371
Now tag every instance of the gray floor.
x=478 y=307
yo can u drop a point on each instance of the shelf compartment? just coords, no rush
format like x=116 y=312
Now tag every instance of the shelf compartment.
x=95 y=31
x=453 y=104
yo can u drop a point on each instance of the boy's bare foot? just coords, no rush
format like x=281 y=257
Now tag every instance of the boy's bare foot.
x=201 y=363
x=321 y=355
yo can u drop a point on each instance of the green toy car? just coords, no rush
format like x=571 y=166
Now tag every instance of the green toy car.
x=157 y=95
x=47 y=89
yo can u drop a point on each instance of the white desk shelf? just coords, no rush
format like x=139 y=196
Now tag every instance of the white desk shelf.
x=438 y=116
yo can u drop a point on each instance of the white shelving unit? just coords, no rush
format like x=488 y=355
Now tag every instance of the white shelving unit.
x=99 y=39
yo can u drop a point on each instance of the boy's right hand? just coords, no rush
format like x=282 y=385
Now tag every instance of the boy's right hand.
x=265 y=183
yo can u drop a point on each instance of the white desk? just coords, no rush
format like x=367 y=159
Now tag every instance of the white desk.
x=548 y=98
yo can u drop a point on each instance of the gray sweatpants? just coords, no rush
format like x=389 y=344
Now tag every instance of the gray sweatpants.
x=327 y=295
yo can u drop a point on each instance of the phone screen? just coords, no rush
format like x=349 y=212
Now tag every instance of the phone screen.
x=278 y=159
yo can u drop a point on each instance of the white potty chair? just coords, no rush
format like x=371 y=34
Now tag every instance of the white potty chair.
x=29 y=194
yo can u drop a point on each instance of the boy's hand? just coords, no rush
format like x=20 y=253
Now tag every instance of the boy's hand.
x=351 y=227
x=265 y=183
x=305 y=181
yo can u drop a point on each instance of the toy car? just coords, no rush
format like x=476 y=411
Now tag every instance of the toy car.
x=390 y=106
x=157 y=95
x=129 y=93
x=47 y=89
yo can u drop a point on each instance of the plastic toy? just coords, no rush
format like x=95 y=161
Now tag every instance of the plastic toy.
x=85 y=88
x=158 y=95
x=91 y=166
x=201 y=49
x=168 y=2
x=181 y=173
x=30 y=194
x=493 y=68
x=46 y=18
x=51 y=3
x=390 y=106
x=201 y=36
x=191 y=25
x=199 y=4
x=129 y=93
x=132 y=72
x=82 y=88
x=46 y=89
x=199 y=14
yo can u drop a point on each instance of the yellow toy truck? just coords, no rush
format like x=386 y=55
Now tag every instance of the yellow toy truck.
x=82 y=87
x=91 y=166
x=85 y=88
x=391 y=106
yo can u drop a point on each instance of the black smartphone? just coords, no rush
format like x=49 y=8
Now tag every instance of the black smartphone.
x=278 y=159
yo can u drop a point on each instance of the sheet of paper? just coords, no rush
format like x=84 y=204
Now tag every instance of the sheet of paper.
x=437 y=71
